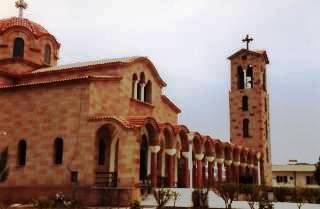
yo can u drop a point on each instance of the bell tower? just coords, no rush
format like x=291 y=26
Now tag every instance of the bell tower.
x=249 y=104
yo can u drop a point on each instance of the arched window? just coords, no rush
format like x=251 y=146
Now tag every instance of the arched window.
x=246 y=128
x=134 y=86
x=143 y=158
x=245 y=103
x=22 y=153
x=102 y=152
x=249 y=77
x=47 y=54
x=18 y=48
x=240 y=76
x=58 y=151
x=148 y=92
x=141 y=87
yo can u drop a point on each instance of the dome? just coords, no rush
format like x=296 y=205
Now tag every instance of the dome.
x=36 y=29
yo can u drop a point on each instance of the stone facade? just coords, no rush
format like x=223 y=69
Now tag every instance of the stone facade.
x=103 y=127
x=254 y=91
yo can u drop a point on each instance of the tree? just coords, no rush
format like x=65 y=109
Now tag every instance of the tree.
x=299 y=197
x=4 y=170
x=200 y=198
x=228 y=192
x=253 y=194
x=317 y=173
x=162 y=197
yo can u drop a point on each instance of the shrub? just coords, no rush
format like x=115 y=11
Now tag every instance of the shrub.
x=200 y=198
x=228 y=192
x=135 y=205
x=162 y=197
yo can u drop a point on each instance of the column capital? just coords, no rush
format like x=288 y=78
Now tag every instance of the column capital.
x=154 y=149
x=236 y=163
x=210 y=159
x=251 y=165
x=171 y=151
x=228 y=162
x=243 y=164
x=199 y=156
x=220 y=160
x=185 y=154
x=258 y=155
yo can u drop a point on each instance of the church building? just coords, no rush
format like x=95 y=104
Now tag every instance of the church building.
x=105 y=129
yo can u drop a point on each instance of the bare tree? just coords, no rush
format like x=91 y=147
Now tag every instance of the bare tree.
x=228 y=192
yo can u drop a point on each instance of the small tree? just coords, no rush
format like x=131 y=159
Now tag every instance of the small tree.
x=162 y=197
x=4 y=170
x=175 y=196
x=299 y=197
x=253 y=194
x=317 y=173
x=228 y=192
x=200 y=198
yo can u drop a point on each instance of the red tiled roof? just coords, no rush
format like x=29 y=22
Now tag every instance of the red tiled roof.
x=34 y=28
x=170 y=103
x=120 y=120
x=98 y=63
x=61 y=81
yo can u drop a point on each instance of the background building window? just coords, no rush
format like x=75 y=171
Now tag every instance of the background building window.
x=58 y=151
x=22 y=153
x=18 y=48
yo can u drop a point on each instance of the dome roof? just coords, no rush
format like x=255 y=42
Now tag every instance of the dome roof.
x=36 y=29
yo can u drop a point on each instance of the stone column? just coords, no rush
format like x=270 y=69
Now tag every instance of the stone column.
x=236 y=172
x=219 y=165
x=258 y=171
x=210 y=160
x=142 y=91
x=171 y=171
x=154 y=169
x=186 y=180
x=199 y=177
x=135 y=89
x=227 y=164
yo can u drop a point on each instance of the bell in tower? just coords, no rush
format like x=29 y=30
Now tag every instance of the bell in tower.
x=248 y=100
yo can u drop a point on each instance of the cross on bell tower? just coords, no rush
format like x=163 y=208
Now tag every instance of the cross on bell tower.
x=21 y=5
x=247 y=40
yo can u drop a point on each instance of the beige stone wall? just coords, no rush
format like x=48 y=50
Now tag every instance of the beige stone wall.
x=40 y=115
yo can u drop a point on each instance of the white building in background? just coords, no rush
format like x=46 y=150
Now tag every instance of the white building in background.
x=294 y=174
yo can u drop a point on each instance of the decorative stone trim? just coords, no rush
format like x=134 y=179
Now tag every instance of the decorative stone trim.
x=199 y=156
x=228 y=162
x=258 y=155
x=237 y=163
x=154 y=149
x=220 y=160
x=171 y=151
x=251 y=166
x=243 y=164
x=185 y=154
x=210 y=159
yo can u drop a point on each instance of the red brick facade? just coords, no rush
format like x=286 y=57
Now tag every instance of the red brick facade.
x=117 y=128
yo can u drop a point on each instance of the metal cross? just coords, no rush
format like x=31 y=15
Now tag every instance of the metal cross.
x=247 y=40
x=21 y=5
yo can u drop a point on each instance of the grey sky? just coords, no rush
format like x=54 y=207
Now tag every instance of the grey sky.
x=189 y=41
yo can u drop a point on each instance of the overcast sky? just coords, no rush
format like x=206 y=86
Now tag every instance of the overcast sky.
x=188 y=41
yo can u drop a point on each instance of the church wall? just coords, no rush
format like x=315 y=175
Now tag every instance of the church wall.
x=40 y=115
x=160 y=111
x=33 y=48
